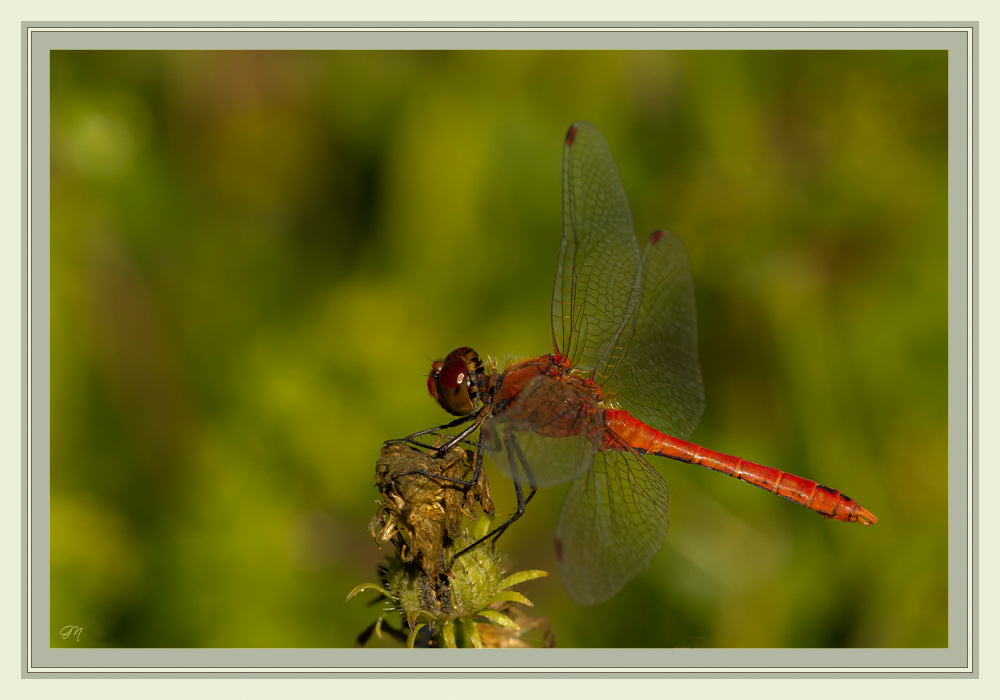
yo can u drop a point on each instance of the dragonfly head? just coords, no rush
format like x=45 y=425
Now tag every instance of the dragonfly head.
x=454 y=382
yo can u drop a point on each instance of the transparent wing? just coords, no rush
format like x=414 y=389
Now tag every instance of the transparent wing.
x=658 y=379
x=613 y=521
x=557 y=429
x=597 y=281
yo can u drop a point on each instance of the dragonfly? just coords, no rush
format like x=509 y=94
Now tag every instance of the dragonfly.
x=621 y=384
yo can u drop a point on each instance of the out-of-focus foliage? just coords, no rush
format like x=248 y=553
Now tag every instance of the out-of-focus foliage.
x=256 y=255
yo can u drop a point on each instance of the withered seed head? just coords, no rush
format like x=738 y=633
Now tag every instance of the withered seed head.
x=423 y=511
x=423 y=517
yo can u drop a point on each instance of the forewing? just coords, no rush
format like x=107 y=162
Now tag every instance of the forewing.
x=659 y=379
x=597 y=282
x=557 y=429
x=613 y=521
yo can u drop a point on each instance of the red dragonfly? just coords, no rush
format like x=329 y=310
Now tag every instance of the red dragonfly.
x=622 y=382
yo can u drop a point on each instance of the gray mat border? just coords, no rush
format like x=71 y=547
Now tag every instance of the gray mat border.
x=961 y=655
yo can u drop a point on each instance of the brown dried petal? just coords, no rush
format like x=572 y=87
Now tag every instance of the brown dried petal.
x=535 y=631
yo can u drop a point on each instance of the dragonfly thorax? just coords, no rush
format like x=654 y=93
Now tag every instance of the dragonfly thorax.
x=455 y=382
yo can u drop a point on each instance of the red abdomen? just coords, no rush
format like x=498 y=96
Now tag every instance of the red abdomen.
x=828 y=502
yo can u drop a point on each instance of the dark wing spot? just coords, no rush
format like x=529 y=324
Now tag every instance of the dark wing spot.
x=558 y=549
x=655 y=236
x=570 y=135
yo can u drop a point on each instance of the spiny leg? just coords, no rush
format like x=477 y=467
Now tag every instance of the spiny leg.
x=423 y=445
x=411 y=439
x=532 y=484
x=477 y=471
x=513 y=448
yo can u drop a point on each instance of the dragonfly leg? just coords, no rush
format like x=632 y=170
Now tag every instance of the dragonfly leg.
x=532 y=484
x=461 y=436
x=513 y=448
x=411 y=439
x=425 y=446
x=447 y=446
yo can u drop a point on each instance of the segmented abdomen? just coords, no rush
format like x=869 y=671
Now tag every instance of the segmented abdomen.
x=828 y=502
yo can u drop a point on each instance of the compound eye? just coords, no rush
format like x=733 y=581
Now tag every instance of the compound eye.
x=432 y=379
x=454 y=390
x=453 y=375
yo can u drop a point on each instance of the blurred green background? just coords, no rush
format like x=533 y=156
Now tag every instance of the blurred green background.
x=256 y=255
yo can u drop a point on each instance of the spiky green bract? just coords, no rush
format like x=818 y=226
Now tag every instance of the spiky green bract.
x=474 y=580
x=460 y=608
x=477 y=577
